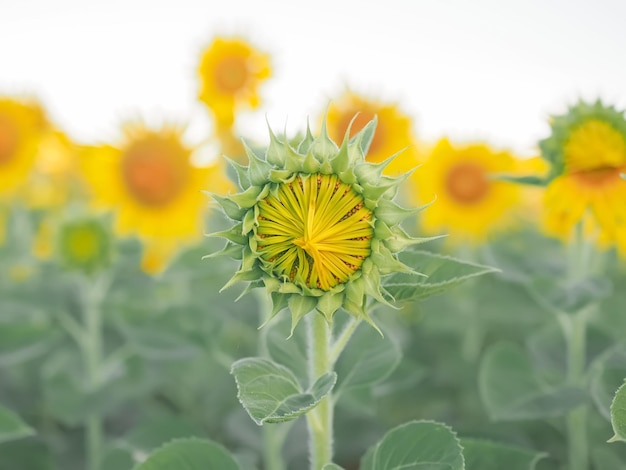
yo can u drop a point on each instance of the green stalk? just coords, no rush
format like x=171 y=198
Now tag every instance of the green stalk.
x=92 y=352
x=575 y=331
x=578 y=452
x=273 y=439
x=320 y=418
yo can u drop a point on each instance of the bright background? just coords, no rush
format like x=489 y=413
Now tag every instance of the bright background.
x=479 y=69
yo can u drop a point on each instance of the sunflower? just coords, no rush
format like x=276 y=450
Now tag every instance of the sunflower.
x=469 y=201
x=317 y=226
x=154 y=187
x=84 y=244
x=393 y=133
x=587 y=152
x=230 y=72
x=22 y=124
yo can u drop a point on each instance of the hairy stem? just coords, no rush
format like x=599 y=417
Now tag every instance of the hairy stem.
x=320 y=418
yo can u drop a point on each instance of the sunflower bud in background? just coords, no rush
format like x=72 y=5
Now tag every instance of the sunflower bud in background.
x=587 y=154
x=394 y=131
x=153 y=187
x=231 y=71
x=316 y=225
x=84 y=244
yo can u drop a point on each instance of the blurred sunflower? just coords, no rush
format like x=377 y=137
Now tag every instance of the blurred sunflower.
x=470 y=203
x=85 y=244
x=154 y=187
x=393 y=132
x=587 y=151
x=22 y=124
x=230 y=72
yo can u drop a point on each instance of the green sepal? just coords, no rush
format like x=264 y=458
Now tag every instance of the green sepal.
x=400 y=240
x=305 y=144
x=230 y=249
x=323 y=148
x=228 y=206
x=248 y=275
x=387 y=263
x=258 y=169
x=248 y=288
x=233 y=234
x=300 y=305
x=250 y=196
x=392 y=213
x=249 y=221
x=276 y=151
x=329 y=303
x=243 y=180
x=363 y=139
x=341 y=161
x=310 y=163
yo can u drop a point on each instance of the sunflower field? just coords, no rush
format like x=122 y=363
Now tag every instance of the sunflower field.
x=348 y=295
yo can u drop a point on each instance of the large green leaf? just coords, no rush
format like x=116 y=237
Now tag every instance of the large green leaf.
x=486 y=455
x=607 y=374
x=618 y=415
x=418 y=445
x=367 y=360
x=271 y=393
x=442 y=272
x=510 y=389
x=12 y=427
x=190 y=454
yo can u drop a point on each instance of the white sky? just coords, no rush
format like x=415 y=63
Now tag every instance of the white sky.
x=469 y=69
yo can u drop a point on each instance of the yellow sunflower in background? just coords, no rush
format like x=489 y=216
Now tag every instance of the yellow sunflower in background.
x=587 y=152
x=394 y=130
x=151 y=183
x=230 y=72
x=22 y=124
x=469 y=202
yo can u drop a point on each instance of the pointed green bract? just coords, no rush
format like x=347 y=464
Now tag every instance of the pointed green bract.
x=317 y=226
x=618 y=415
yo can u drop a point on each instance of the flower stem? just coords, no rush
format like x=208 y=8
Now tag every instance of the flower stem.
x=578 y=452
x=92 y=352
x=320 y=418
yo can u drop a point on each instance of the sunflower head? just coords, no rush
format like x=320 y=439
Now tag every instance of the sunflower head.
x=470 y=202
x=316 y=224
x=393 y=132
x=151 y=183
x=85 y=245
x=587 y=153
x=230 y=73
x=590 y=141
x=22 y=124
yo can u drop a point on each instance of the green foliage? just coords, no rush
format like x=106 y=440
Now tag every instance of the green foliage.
x=270 y=393
x=618 y=415
x=418 y=444
x=511 y=390
x=190 y=454
x=12 y=427
x=487 y=455
x=440 y=273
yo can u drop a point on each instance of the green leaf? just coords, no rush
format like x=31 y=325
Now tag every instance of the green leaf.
x=190 y=454
x=12 y=427
x=618 y=415
x=486 y=455
x=368 y=359
x=270 y=393
x=442 y=273
x=510 y=389
x=423 y=445
x=560 y=294
x=607 y=375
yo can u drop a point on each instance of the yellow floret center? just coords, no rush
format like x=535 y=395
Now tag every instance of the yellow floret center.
x=466 y=183
x=9 y=139
x=314 y=231
x=154 y=171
